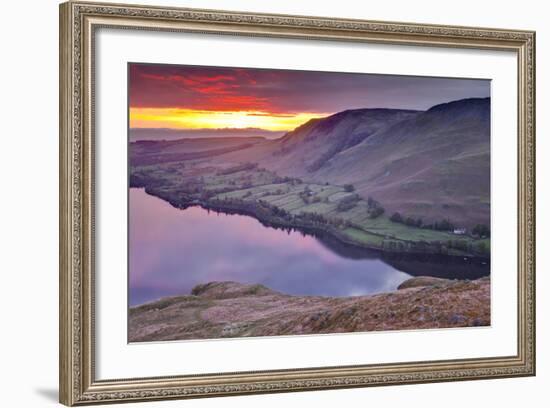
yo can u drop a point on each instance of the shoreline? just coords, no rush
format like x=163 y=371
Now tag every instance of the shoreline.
x=269 y=220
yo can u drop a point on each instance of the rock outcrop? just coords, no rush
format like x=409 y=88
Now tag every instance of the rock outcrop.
x=230 y=309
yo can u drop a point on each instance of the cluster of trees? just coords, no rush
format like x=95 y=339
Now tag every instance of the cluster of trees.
x=312 y=218
x=348 y=202
x=443 y=225
x=374 y=208
x=394 y=245
x=306 y=195
x=261 y=208
x=292 y=180
x=481 y=248
x=315 y=219
x=274 y=210
x=438 y=247
x=267 y=212
x=397 y=217
x=482 y=231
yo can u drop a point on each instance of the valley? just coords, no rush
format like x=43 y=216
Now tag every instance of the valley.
x=391 y=180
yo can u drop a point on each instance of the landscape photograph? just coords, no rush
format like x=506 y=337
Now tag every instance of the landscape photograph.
x=269 y=202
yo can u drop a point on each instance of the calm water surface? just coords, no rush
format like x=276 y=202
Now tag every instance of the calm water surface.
x=172 y=250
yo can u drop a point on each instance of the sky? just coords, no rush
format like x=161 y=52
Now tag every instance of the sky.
x=200 y=97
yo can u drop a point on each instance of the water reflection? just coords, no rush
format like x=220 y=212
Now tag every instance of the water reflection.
x=171 y=251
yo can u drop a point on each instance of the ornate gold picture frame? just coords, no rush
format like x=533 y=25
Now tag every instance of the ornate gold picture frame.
x=78 y=24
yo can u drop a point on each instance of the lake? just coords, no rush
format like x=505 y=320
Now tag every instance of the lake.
x=173 y=250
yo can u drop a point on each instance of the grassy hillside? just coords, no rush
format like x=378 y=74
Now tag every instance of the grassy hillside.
x=307 y=148
x=435 y=165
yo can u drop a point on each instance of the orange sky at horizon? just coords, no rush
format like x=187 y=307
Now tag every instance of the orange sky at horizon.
x=178 y=118
x=208 y=97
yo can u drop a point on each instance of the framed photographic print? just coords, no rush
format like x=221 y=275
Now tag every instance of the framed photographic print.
x=258 y=203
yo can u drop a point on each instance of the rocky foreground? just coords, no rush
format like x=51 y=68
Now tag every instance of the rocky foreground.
x=230 y=309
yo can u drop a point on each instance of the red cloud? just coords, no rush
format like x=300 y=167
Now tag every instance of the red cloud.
x=288 y=91
x=198 y=90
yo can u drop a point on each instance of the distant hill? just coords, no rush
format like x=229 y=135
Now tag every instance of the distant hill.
x=160 y=151
x=173 y=134
x=307 y=148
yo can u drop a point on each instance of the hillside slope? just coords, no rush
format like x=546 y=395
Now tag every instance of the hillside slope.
x=304 y=150
x=435 y=165
x=430 y=165
x=231 y=309
x=309 y=147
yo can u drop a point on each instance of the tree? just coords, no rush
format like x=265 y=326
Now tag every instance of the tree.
x=396 y=217
x=348 y=188
x=482 y=231
x=376 y=212
x=347 y=203
x=460 y=244
x=482 y=247
x=375 y=209
x=444 y=225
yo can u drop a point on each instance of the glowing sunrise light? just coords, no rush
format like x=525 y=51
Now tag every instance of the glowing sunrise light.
x=201 y=119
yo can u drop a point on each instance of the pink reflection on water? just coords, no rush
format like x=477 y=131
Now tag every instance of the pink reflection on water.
x=172 y=250
x=152 y=222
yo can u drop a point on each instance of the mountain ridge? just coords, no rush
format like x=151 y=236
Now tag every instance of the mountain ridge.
x=437 y=162
x=430 y=165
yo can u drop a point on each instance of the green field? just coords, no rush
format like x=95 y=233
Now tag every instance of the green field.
x=287 y=197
